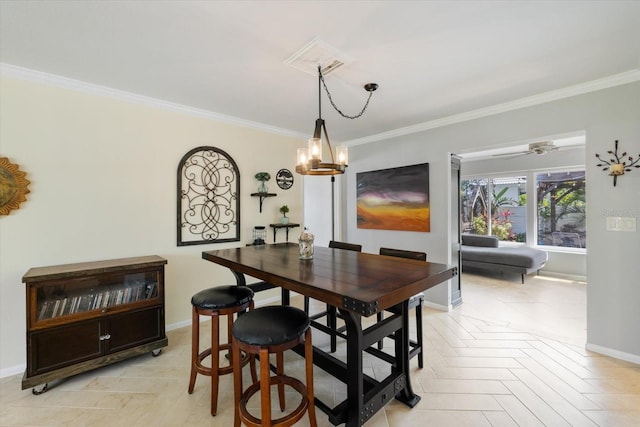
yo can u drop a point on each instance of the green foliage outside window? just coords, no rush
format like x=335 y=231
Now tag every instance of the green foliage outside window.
x=501 y=228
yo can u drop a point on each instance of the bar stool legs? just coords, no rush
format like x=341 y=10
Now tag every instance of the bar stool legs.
x=225 y=305
x=288 y=333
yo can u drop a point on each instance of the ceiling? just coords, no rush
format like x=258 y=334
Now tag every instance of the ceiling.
x=517 y=149
x=432 y=60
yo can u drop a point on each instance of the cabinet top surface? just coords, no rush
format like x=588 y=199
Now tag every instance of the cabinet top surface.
x=95 y=267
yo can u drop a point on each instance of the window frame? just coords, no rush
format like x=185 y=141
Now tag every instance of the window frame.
x=552 y=248
x=493 y=176
x=532 y=204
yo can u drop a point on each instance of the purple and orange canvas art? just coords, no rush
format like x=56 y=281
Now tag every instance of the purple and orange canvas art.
x=394 y=199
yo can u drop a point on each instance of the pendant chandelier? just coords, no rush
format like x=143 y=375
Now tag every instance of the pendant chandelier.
x=310 y=158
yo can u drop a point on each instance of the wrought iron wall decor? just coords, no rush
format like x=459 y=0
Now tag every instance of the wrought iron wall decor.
x=617 y=164
x=208 y=197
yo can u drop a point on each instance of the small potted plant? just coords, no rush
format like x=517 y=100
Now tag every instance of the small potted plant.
x=284 y=209
x=263 y=177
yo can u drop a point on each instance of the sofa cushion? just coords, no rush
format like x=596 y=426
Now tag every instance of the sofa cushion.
x=480 y=240
x=519 y=257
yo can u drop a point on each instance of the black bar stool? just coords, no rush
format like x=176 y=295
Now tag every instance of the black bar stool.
x=265 y=331
x=216 y=302
x=416 y=301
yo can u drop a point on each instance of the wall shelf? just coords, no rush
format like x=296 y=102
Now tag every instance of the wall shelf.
x=262 y=197
x=278 y=226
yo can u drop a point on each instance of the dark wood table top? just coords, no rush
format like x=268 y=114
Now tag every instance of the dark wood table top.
x=360 y=282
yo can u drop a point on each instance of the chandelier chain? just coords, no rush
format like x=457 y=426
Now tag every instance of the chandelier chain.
x=366 y=104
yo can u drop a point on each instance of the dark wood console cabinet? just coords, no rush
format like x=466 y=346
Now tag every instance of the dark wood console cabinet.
x=87 y=315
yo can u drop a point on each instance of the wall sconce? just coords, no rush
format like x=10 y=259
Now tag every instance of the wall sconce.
x=617 y=165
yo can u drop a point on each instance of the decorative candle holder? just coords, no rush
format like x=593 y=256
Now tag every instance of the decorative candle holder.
x=305 y=242
x=617 y=165
x=616 y=169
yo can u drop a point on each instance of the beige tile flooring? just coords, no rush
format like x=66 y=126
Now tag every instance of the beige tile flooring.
x=510 y=355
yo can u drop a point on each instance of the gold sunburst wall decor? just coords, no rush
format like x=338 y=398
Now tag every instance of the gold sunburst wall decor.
x=13 y=186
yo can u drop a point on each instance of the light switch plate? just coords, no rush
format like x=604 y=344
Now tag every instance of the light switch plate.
x=618 y=223
x=629 y=224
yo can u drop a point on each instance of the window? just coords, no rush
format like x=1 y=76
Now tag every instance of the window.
x=561 y=209
x=495 y=206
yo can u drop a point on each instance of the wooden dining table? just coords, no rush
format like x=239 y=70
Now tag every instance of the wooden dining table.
x=360 y=285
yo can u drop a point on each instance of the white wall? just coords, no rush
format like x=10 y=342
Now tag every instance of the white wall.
x=317 y=199
x=612 y=260
x=103 y=185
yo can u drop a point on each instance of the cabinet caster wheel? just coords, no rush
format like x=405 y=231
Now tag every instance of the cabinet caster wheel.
x=156 y=352
x=37 y=390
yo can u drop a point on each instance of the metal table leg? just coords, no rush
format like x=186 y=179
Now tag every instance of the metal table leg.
x=355 y=387
x=406 y=395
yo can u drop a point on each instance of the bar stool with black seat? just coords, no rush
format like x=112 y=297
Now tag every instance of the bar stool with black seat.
x=416 y=301
x=330 y=311
x=264 y=331
x=215 y=302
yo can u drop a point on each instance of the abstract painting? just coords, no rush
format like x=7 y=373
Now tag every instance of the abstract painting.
x=394 y=199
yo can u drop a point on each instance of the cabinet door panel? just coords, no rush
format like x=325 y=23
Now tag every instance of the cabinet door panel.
x=63 y=346
x=135 y=328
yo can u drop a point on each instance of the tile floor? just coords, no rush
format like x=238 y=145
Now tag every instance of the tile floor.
x=510 y=355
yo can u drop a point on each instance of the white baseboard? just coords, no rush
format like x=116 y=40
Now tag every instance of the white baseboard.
x=565 y=276
x=268 y=301
x=12 y=370
x=437 y=306
x=181 y=324
x=633 y=358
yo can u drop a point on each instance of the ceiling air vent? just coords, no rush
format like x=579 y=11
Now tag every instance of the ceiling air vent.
x=318 y=52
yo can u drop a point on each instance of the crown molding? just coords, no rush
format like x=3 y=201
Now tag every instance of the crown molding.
x=22 y=73
x=579 y=89
x=89 y=88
